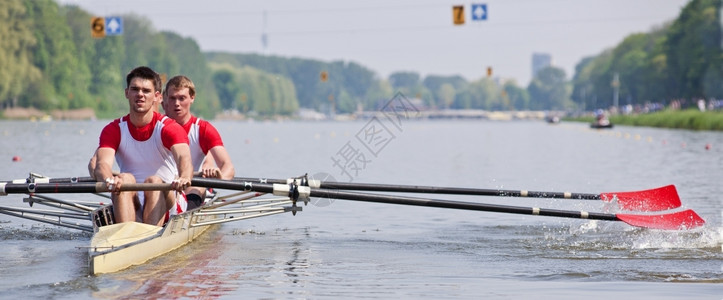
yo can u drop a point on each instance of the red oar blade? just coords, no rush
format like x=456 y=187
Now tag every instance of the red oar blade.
x=681 y=220
x=662 y=198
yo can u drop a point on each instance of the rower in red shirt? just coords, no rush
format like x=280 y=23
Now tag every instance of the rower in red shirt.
x=148 y=147
x=208 y=154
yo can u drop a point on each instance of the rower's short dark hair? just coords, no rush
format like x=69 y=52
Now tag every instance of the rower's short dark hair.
x=145 y=73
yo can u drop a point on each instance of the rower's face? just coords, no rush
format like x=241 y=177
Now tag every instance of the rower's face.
x=177 y=104
x=142 y=95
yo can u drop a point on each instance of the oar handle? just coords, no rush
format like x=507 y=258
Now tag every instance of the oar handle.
x=83 y=187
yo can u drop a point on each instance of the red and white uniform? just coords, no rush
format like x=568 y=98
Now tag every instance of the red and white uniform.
x=202 y=136
x=146 y=151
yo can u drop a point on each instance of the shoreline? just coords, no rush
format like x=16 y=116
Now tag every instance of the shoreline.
x=21 y=113
x=691 y=119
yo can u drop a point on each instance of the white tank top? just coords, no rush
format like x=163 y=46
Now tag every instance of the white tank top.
x=197 y=155
x=145 y=158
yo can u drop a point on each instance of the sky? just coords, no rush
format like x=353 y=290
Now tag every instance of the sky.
x=417 y=36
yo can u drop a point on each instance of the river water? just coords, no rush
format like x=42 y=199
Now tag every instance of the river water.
x=343 y=249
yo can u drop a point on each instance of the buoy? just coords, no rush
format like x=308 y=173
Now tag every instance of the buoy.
x=17 y=158
x=708 y=146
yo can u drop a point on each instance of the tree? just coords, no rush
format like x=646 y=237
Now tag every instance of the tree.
x=435 y=83
x=693 y=45
x=404 y=79
x=54 y=54
x=192 y=63
x=548 y=90
x=480 y=94
x=378 y=95
x=518 y=97
x=16 y=67
x=264 y=93
x=446 y=94
x=226 y=87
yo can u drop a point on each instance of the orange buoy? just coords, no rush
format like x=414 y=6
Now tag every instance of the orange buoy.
x=17 y=158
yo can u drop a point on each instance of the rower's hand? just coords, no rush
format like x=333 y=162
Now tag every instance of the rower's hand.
x=113 y=184
x=211 y=173
x=180 y=184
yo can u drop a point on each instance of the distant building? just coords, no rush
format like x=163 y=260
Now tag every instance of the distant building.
x=539 y=62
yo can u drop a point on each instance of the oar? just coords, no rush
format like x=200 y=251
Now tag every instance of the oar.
x=657 y=199
x=686 y=219
x=82 y=187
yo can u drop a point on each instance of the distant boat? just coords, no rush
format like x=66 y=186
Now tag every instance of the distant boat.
x=601 y=124
x=552 y=119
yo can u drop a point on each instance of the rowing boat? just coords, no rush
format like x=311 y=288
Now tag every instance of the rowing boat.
x=117 y=246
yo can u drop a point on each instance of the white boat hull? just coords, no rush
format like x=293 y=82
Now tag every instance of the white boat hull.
x=115 y=247
x=119 y=246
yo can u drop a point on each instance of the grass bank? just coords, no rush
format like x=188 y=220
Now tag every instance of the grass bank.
x=682 y=119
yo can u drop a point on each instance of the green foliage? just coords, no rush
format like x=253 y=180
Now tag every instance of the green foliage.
x=184 y=57
x=480 y=94
x=693 y=45
x=682 y=59
x=17 y=70
x=444 y=89
x=347 y=81
x=250 y=90
x=55 y=55
x=49 y=61
x=686 y=119
x=404 y=79
x=548 y=90
x=228 y=90
x=516 y=97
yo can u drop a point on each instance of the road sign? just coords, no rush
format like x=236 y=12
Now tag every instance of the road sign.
x=458 y=14
x=479 y=12
x=324 y=76
x=113 y=26
x=97 y=27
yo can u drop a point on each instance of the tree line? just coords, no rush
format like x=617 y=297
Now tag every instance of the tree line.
x=48 y=60
x=679 y=61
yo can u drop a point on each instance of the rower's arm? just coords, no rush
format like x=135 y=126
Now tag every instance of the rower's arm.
x=223 y=161
x=182 y=155
x=92 y=163
x=103 y=161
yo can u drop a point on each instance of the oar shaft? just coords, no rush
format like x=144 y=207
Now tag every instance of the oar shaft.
x=337 y=194
x=232 y=185
x=432 y=189
x=455 y=190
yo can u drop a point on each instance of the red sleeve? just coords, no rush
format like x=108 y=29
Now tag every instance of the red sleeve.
x=208 y=136
x=110 y=136
x=173 y=133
